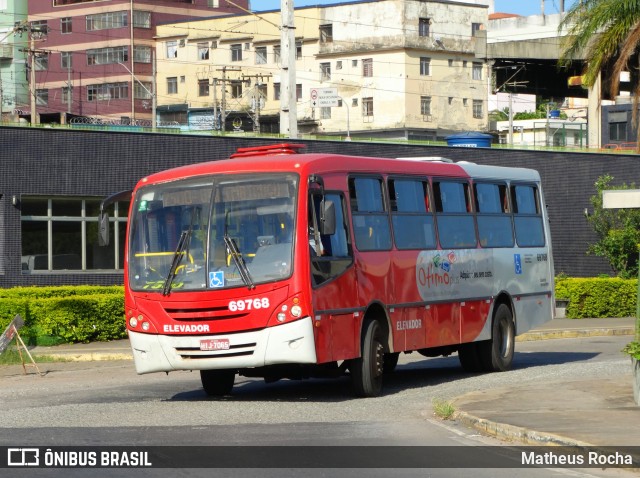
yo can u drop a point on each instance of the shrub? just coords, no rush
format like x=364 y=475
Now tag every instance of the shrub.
x=598 y=297
x=68 y=314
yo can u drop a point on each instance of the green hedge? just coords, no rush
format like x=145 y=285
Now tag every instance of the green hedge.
x=598 y=297
x=65 y=314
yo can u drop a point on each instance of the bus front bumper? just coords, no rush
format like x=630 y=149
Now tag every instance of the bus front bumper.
x=283 y=344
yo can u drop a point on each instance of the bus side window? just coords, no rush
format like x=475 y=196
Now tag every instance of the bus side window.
x=370 y=218
x=455 y=224
x=527 y=215
x=413 y=223
x=335 y=249
x=495 y=228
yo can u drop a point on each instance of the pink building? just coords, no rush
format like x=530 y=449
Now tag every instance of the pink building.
x=94 y=58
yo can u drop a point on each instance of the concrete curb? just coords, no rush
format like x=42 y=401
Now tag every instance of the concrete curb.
x=574 y=333
x=504 y=431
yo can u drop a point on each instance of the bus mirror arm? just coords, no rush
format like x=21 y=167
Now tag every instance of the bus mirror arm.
x=103 y=217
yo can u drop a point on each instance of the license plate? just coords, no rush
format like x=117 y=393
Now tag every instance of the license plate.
x=215 y=344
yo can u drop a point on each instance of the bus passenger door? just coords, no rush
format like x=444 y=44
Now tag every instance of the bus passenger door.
x=333 y=278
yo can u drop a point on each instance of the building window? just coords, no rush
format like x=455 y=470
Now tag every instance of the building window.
x=65 y=60
x=476 y=71
x=298 y=51
x=203 y=50
x=261 y=55
x=367 y=67
x=276 y=91
x=325 y=112
x=236 y=89
x=42 y=62
x=477 y=109
x=66 y=25
x=367 y=107
x=42 y=97
x=424 y=27
x=172 y=85
x=618 y=131
x=326 y=33
x=106 y=21
x=107 y=56
x=354 y=102
x=325 y=71
x=142 y=91
x=354 y=63
x=339 y=65
x=183 y=79
x=171 y=49
x=108 y=91
x=425 y=106
x=276 y=54
x=142 y=54
x=475 y=28
x=299 y=92
x=236 y=52
x=213 y=3
x=203 y=87
x=141 y=19
x=425 y=66
x=450 y=62
x=62 y=234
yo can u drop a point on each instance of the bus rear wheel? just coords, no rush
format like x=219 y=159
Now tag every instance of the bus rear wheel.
x=496 y=354
x=217 y=383
x=367 y=370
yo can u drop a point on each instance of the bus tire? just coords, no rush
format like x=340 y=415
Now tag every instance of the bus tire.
x=390 y=362
x=367 y=370
x=217 y=383
x=496 y=354
x=469 y=357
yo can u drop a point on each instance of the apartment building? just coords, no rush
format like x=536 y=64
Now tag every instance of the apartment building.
x=400 y=69
x=14 y=89
x=94 y=58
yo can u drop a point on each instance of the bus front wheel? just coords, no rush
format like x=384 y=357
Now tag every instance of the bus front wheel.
x=496 y=354
x=367 y=370
x=217 y=383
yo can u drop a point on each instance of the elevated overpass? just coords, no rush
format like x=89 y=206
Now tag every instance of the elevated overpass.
x=524 y=52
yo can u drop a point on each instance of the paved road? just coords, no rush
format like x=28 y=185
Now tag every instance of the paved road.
x=105 y=403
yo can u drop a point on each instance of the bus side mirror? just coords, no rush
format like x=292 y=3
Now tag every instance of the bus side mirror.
x=103 y=229
x=328 y=218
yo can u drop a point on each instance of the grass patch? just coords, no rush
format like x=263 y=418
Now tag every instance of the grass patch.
x=12 y=357
x=443 y=409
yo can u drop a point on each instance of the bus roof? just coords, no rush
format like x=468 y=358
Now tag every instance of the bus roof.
x=319 y=163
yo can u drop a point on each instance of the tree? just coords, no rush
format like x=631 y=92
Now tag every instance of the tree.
x=618 y=231
x=607 y=32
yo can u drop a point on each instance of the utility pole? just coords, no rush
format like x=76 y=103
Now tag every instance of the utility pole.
x=32 y=80
x=288 y=107
x=257 y=98
x=223 y=112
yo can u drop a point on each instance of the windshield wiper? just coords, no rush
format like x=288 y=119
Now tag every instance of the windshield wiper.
x=239 y=261
x=183 y=244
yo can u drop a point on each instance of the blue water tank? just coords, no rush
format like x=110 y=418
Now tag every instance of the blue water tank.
x=554 y=114
x=469 y=140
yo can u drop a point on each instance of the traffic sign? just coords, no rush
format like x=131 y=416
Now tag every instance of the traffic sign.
x=321 y=97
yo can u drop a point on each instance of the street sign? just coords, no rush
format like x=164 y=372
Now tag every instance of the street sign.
x=321 y=97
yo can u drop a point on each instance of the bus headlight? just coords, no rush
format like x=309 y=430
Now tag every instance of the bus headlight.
x=145 y=326
x=282 y=317
x=133 y=322
x=296 y=311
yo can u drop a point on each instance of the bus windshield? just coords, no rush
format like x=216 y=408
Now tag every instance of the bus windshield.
x=212 y=233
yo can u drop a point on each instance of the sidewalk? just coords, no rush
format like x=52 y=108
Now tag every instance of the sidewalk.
x=572 y=413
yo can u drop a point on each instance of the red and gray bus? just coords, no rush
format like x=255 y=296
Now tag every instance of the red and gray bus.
x=277 y=264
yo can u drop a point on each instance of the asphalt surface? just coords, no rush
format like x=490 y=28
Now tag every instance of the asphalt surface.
x=581 y=412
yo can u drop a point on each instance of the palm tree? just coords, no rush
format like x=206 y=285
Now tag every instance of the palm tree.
x=605 y=32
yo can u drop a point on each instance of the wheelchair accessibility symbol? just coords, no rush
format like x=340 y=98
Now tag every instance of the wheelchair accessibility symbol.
x=518 y=263
x=216 y=279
